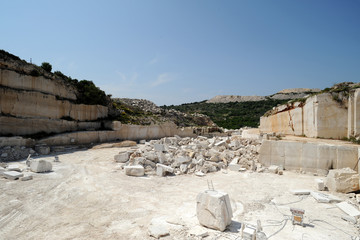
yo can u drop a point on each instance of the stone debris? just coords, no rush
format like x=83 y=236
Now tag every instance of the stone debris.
x=42 y=149
x=13 y=153
x=194 y=155
x=40 y=166
x=343 y=180
x=12 y=175
x=213 y=209
x=136 y=170
x=349 y=209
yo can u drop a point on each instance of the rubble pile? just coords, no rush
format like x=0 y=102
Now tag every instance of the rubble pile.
x=24 y=172
x=201 y=155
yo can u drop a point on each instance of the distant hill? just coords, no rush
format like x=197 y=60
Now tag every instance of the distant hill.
x=286 y=94
x=233 y=112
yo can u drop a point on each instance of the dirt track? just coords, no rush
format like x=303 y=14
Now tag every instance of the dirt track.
x=87 y=196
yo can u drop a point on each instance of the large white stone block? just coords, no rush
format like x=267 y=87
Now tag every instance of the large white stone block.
x=40 y=166
x=213 y=209
x=342 y=180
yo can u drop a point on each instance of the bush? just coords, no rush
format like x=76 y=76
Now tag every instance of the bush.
x=90 y=94
x=46 y=66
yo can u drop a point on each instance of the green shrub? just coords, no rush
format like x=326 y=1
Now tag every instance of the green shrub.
x=46 y=66
x=89 y=93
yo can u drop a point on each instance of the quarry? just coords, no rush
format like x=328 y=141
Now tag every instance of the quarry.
x=75 y=169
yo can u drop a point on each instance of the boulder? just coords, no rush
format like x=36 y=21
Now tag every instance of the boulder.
x=40 y=166
x=122 y=157
x=213 y=209
x=136 y=170
x=343 y=180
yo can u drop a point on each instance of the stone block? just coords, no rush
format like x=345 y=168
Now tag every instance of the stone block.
x=40 y=166
x=13 y=167
x=234 y=166
x=12 y=175
x=122 y=157
x=162 y=169
x=213 y=209
x=319 y=184
x=136 y=170
x=342 y=180
x=159 y=147
x=273 y=169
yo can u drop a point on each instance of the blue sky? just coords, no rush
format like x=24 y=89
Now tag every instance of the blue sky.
x=173 y=52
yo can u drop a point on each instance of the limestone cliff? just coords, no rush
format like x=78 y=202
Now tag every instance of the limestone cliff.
x=34 y=101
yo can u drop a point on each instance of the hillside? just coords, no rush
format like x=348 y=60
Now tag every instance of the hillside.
x=230 y=115
x=286 y=94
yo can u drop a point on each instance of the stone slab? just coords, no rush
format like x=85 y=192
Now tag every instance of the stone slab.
x=325 y=198
x=12 y=175
x=349 y=209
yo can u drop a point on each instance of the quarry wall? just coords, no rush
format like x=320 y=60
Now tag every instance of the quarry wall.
x=308 y=156
x=41 y=104
x=319 y=116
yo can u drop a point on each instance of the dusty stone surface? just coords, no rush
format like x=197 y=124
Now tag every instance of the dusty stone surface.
x=87 y=197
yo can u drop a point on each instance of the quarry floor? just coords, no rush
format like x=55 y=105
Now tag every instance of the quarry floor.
x=88 y=196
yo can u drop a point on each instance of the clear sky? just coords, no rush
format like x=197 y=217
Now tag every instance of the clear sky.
x=173 y=52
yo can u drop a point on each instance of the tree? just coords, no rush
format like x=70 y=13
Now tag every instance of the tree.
x=46 y=66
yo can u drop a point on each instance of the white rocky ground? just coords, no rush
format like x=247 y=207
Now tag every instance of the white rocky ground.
x=88 y=196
